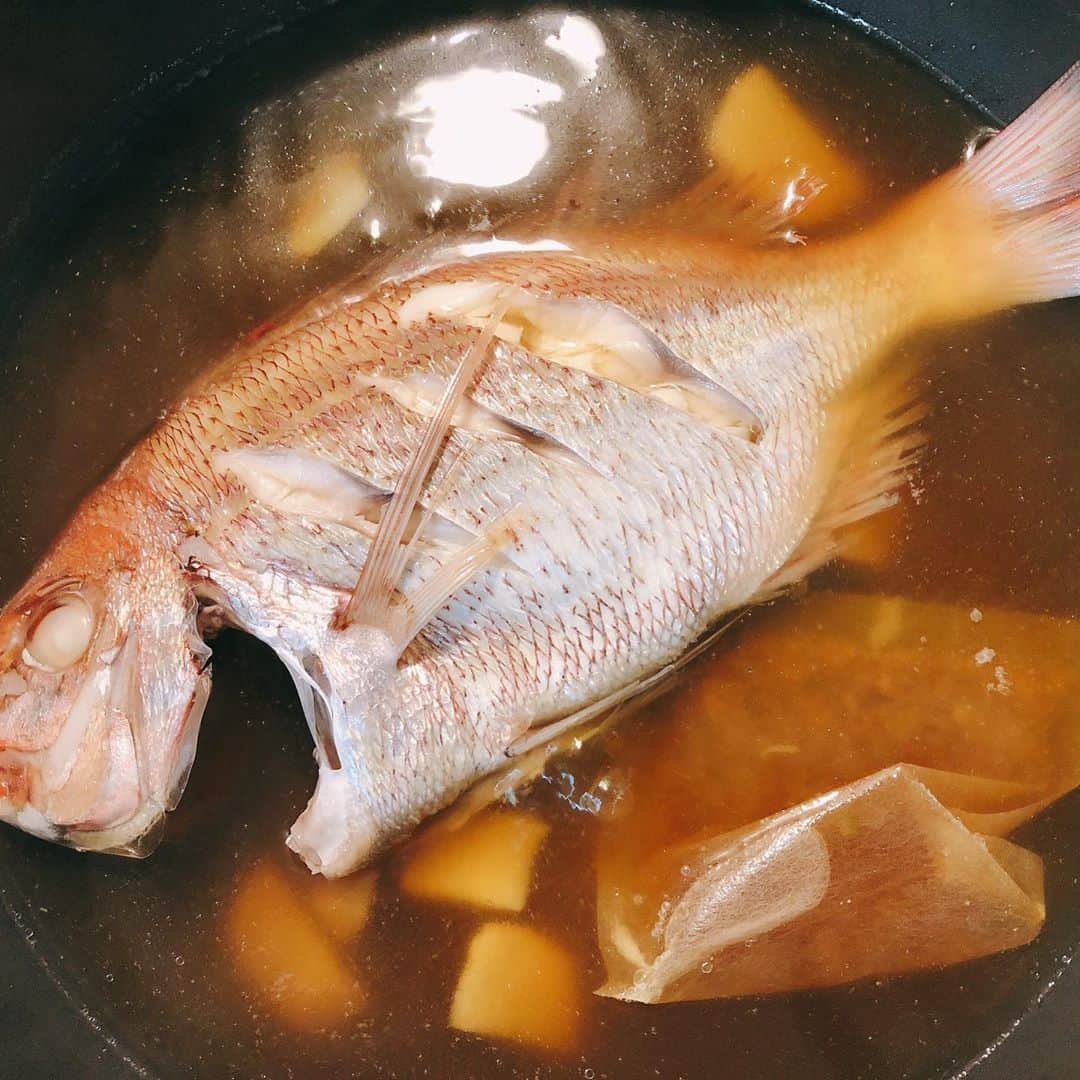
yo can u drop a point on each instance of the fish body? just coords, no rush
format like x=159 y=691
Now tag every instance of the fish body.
x=472 y=498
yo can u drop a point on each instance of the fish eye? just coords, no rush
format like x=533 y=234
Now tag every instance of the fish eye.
x=62 y=635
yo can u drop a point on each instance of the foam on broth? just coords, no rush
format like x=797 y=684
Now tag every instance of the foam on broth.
x=187 y=248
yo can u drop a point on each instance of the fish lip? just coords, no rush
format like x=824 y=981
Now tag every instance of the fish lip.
x=136 y=837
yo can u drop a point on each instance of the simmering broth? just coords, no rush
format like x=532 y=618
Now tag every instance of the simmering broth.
x=187 y=248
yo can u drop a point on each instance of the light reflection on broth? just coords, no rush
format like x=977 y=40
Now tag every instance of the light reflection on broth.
x=220 y=954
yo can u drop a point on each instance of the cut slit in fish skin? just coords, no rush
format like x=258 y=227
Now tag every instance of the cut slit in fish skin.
x=301 y=483
x=597 y=337
x=421 y=393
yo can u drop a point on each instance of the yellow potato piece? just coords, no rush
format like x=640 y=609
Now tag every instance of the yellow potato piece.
x=282 y=955
x=518 y=984
x=326 y=201
x=341 y=906
x=760 y=137
x=487 y=862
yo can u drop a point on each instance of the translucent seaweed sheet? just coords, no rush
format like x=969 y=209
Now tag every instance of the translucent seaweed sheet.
x=832 y=797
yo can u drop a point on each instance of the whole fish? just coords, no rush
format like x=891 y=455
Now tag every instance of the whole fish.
x=472 y=499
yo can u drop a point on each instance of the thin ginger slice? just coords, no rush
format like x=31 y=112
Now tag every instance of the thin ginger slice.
x=325 y=201
x=520 y=985
x=284 y=956
x=761 y=139
x=486 y=863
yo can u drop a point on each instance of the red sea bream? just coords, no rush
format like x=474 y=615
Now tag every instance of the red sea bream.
x=472 y=498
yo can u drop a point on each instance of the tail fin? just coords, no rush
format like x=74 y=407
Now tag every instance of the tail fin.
x=1007 y=221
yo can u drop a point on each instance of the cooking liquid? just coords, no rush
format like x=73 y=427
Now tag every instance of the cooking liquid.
x=182 y=253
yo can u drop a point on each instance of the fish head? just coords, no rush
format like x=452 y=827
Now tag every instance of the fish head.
x=103 y=680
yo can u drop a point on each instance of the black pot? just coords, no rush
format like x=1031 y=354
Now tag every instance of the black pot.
x=76 y=81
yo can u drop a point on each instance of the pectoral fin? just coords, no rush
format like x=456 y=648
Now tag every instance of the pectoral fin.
x=375 y=601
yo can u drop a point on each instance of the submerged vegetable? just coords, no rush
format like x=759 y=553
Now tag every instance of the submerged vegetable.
x=487 y=862
x=325 y=201
x=518 y=984
x=287 y=961
x=763 y=142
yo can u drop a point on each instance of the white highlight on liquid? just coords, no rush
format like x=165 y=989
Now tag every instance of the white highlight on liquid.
x=479 y=126
x=581 y=42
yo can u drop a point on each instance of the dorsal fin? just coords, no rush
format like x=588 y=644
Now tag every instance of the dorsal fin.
x=372 y=599
x=727 y=208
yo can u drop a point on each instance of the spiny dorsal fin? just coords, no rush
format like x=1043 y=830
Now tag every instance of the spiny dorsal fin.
x=372 y=600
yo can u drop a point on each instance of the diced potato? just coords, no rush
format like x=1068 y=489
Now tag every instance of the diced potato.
x=518 y=984
x=283 y=956
x=341 y=906
x=326 y=201
x=487 y=862
x=761 y=137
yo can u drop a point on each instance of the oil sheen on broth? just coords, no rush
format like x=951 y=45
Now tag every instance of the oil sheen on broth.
x=195 y=244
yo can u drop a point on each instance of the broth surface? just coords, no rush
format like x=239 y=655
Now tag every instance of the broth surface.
x=184 y=251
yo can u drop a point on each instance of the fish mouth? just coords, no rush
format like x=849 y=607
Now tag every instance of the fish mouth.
x=104 y=783
x=135 y=838
x=118 y=821
x=130 y=826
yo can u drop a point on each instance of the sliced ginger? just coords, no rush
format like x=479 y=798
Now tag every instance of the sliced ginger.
x=760 y=138
x=283 y=954
x=518 y=984
x=325 y=201
x=487 y=862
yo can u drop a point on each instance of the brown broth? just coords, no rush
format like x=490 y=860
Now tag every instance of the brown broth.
x=173 y=264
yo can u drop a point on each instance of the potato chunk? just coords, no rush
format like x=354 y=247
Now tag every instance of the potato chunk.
x=487 y=862
x=760 y=137
x=342 y=906
x=518 y=984
x=325 y=201
x=285 y=958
